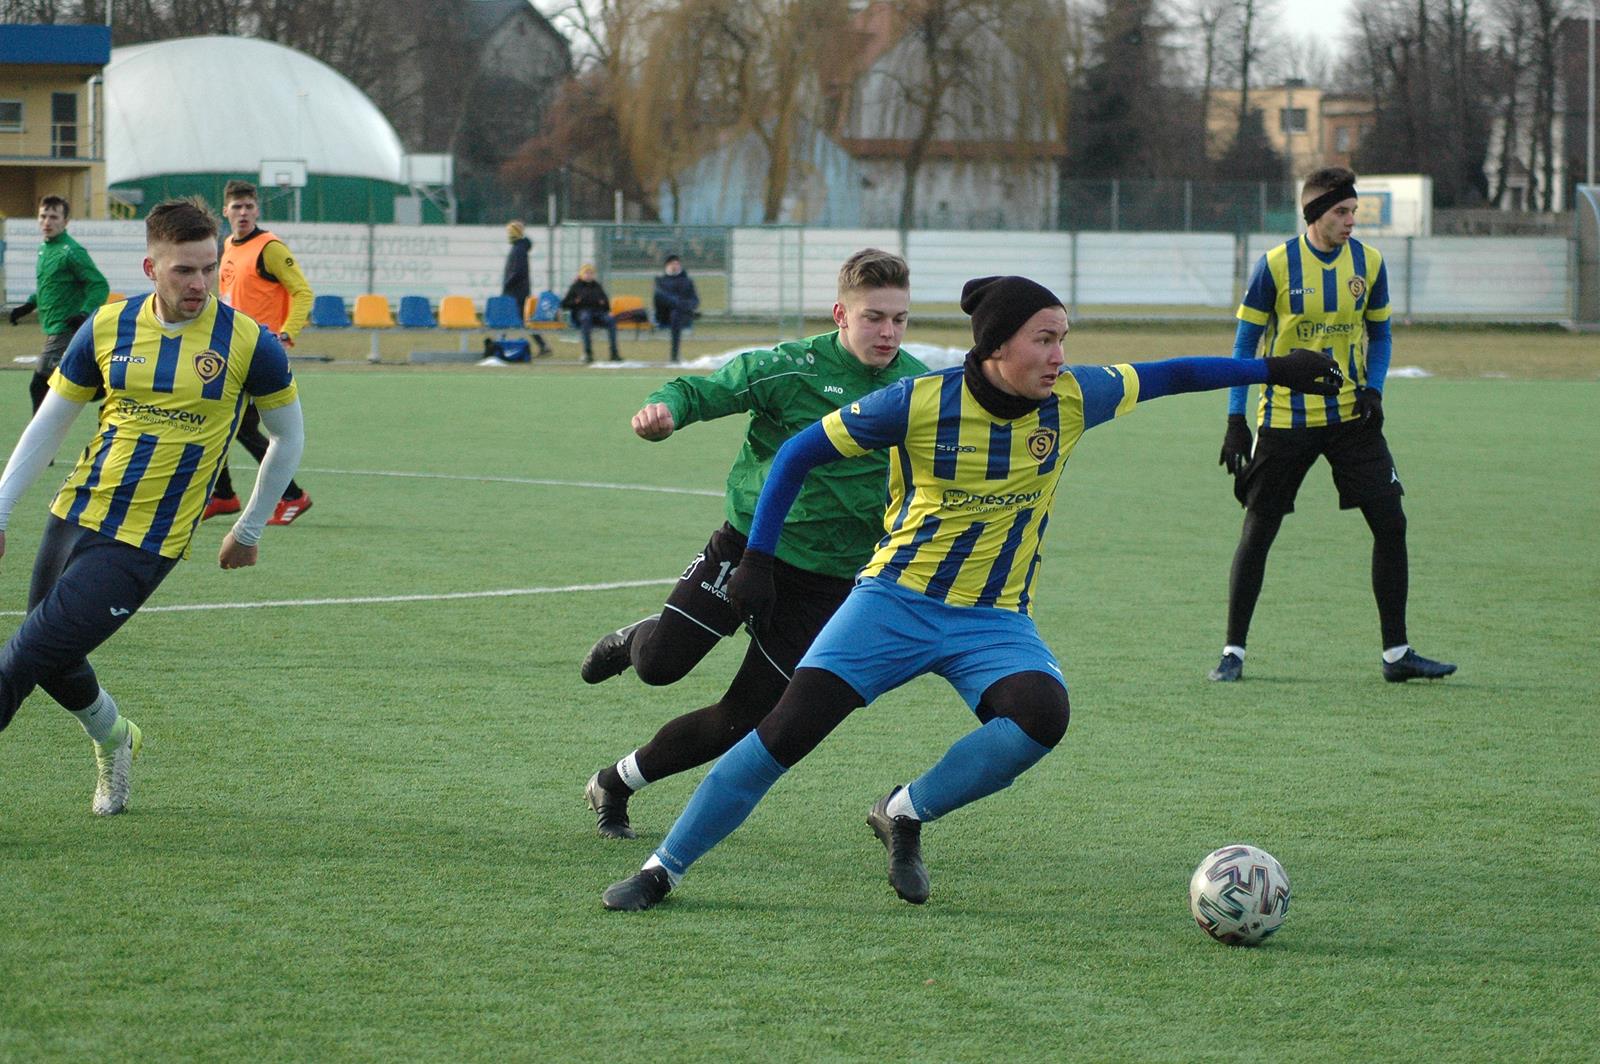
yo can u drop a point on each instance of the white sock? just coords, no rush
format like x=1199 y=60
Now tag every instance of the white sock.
x=628 y=769
x=1394 y=654
x=655 y=862
x=99 y=717
x=900 y=804
x=1237 y=652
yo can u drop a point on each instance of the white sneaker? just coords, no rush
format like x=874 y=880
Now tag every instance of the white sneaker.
x=114 y=760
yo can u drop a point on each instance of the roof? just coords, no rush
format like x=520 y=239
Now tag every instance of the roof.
x=164 y=116
x=55 y=45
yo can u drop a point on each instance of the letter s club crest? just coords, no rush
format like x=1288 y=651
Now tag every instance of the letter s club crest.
x=208 y=365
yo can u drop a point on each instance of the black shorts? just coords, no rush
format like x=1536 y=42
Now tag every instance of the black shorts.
x=806 y=600
x=1363 y=468
x=54 y=347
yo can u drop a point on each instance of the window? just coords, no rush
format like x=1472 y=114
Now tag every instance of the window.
x=1341 y=139
x=1292 y=119
x=10 y=116
x=64 y=125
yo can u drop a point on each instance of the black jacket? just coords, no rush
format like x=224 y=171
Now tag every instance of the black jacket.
x=586 y=295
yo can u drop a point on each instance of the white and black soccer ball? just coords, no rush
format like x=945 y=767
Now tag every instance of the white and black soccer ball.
x=1239 y=895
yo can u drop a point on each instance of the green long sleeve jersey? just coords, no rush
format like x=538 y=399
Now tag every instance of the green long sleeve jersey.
x=838 y=517
x=67 y=283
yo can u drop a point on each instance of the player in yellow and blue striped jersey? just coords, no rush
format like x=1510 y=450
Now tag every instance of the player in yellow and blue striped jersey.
x=177 y=368
x=1329 y=291
x=975 y=456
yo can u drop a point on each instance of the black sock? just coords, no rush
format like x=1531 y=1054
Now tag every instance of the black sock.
x=1248 y=572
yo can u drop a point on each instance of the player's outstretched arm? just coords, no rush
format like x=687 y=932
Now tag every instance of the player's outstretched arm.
x=1301 y=370
x=654 y=422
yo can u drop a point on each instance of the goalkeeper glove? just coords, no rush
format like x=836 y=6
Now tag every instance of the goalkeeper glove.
x=1235 y=445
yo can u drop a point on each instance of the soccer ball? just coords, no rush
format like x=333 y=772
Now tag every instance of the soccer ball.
x=1239 y=895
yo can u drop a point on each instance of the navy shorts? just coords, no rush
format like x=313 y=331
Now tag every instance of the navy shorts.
x=1363 y=468
x=85 y=587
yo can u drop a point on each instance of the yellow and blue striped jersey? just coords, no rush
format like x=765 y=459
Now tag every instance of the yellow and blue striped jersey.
x=174 y=396
x=1307 y=298
x=970 y=492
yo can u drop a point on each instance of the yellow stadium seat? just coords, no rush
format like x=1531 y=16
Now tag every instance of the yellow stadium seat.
x=115 y=297
x=458 y=312
x=373 y=312
x=638 y=319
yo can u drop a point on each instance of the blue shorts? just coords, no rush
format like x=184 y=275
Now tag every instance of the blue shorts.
x=885 y=635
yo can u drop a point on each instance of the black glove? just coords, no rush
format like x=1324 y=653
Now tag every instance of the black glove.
x=1369 y=407
x=1304 y=370
x=1235 y=445
x=75 y=321
x=751 y=592
x=18 y=313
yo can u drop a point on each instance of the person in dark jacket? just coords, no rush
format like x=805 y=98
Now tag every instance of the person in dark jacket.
x=515 y=281
x=590 y=306
x=676 y=300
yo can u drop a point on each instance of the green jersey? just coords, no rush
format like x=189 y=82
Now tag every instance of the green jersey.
x=68 y=283
x=838 y=517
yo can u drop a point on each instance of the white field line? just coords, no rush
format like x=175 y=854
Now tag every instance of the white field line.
x=605 y=485
x=378 y=600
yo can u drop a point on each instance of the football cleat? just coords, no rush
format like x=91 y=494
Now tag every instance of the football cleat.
x=610 y=810
x=217 y=505
x=902 y=837
x=1230 y=668
x=640 y=891
x=610 y=655
x=1416 y=667
x=114 y=762
x=289 y=510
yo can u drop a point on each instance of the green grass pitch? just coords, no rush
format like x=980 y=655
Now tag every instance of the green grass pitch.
x=357 y=831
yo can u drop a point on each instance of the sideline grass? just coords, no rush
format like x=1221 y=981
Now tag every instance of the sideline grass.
x=356 y=832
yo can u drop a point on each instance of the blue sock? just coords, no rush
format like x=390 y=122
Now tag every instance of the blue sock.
x=977 y=764
x=728 y=794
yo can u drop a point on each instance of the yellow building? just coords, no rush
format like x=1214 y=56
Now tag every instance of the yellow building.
x=1308 y=126
x=52 y=117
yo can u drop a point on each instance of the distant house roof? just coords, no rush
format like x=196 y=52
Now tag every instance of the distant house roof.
x=55 y=45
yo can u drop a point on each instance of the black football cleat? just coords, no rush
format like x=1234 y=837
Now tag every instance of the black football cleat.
x=610 y=655
x=902 y=837
x=1416 y=667
x=640 y=891
x=610 y=810
x=1229 y=669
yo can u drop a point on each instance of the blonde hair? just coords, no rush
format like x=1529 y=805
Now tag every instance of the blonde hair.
x=873 y=268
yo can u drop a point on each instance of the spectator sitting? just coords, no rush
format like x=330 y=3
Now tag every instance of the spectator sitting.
x=675 y=300
x=590 y=306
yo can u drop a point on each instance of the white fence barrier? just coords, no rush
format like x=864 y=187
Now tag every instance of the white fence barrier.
x=775 y=271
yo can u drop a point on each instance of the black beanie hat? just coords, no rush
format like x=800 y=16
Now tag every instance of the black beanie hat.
x=999 y=306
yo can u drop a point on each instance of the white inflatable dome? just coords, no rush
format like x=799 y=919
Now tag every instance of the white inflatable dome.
x=224 y=104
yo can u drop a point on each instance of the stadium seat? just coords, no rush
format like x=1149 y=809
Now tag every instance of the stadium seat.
x=372 y=312
x=543 y=312
x=115 y=297
x=501 y=313
x=457 y=312
x=638 y=318
x=328 y=312
x=415 y=313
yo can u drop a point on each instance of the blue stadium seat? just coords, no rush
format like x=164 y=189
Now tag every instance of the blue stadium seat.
x=502 y=312
x=328 y=312
x=415 y=313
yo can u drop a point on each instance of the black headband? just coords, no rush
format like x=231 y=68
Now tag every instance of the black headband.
x=1324 y=203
